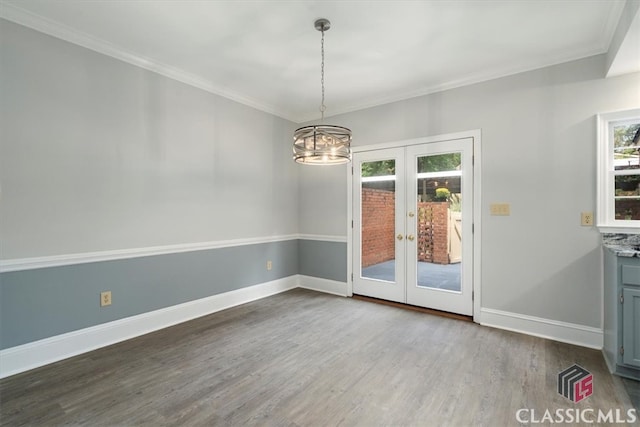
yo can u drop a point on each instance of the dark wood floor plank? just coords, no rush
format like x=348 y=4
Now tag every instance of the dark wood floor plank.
x=303 y=358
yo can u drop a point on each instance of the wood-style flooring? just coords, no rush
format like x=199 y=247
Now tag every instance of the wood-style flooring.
x=303 y=358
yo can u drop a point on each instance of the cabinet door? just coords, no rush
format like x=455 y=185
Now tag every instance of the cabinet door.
x=631 y=326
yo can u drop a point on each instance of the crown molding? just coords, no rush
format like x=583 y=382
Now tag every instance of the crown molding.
x=611 y=24
x=55 y=29
x=480 y=77
x=608 y=31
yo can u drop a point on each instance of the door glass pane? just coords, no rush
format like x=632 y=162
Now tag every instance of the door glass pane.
x=378 y=187
x=439 y=221
x=626 y=158
x=626 y=146
x=627 y=197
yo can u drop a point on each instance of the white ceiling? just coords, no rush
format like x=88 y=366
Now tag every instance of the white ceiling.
x=267 y=53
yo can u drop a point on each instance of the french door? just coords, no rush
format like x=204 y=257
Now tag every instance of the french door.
x=413 y=237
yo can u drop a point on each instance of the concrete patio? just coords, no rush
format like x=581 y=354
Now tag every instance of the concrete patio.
x=429 y=275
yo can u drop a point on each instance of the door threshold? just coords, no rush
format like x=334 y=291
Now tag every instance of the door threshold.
x=414 y=308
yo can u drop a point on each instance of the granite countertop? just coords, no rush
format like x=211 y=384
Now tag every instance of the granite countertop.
x=626 y=245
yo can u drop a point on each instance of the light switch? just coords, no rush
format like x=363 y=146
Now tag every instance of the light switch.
x=500 y=209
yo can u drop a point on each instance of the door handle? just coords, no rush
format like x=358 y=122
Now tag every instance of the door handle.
x=399 y=236
x=410 y=237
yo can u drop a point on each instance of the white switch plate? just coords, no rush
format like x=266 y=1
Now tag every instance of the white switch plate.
x=500 y=209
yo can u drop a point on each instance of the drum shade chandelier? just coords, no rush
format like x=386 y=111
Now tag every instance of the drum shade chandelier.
x=322 y=144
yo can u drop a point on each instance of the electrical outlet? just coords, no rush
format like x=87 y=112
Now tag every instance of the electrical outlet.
x=269 y=265
x=105 y=298
x=586 y=219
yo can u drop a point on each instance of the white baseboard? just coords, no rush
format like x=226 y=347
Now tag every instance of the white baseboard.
x=570 y=333
x=39 y=353
x=42 y=352
x=323 y=285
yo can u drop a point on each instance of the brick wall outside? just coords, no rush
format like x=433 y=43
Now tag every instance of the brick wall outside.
x=378 y=229
x=378 y=226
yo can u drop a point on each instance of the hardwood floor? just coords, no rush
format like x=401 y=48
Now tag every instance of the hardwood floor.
x=303 y=358
x=633 y=390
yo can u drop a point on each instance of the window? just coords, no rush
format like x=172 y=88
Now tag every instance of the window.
x=619 y=171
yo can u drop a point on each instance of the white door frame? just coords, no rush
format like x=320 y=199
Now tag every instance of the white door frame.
x=476 y=135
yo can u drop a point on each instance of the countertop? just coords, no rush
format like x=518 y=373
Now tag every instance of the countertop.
x=625 y=245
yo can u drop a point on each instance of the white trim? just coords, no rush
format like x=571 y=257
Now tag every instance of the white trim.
x=323 y=238
x=485 y=75
x=605 y=215
x=378 y=178
x=20 y=264
x=418 y=141
x=570 y=333
x=350 y=222
x=477 y=223
x=58 y=30
x=421 y=175
x=87 y=257
x=442 y=174
x=323 y=285
x=479 y=77
x=39 y=353
x=43 y=352
x=618 y=229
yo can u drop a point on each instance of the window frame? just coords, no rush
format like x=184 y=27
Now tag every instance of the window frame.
x=606 y=173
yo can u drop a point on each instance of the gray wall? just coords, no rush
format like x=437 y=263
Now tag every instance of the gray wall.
x=41 y=303
x=538 y=154
x=322 y=200
x=97 y=154
x=322 y=259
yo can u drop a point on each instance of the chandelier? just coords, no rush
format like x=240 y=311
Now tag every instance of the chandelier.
x=322 y=144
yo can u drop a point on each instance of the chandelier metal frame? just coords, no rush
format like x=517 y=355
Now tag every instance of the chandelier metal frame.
x=322 y=144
